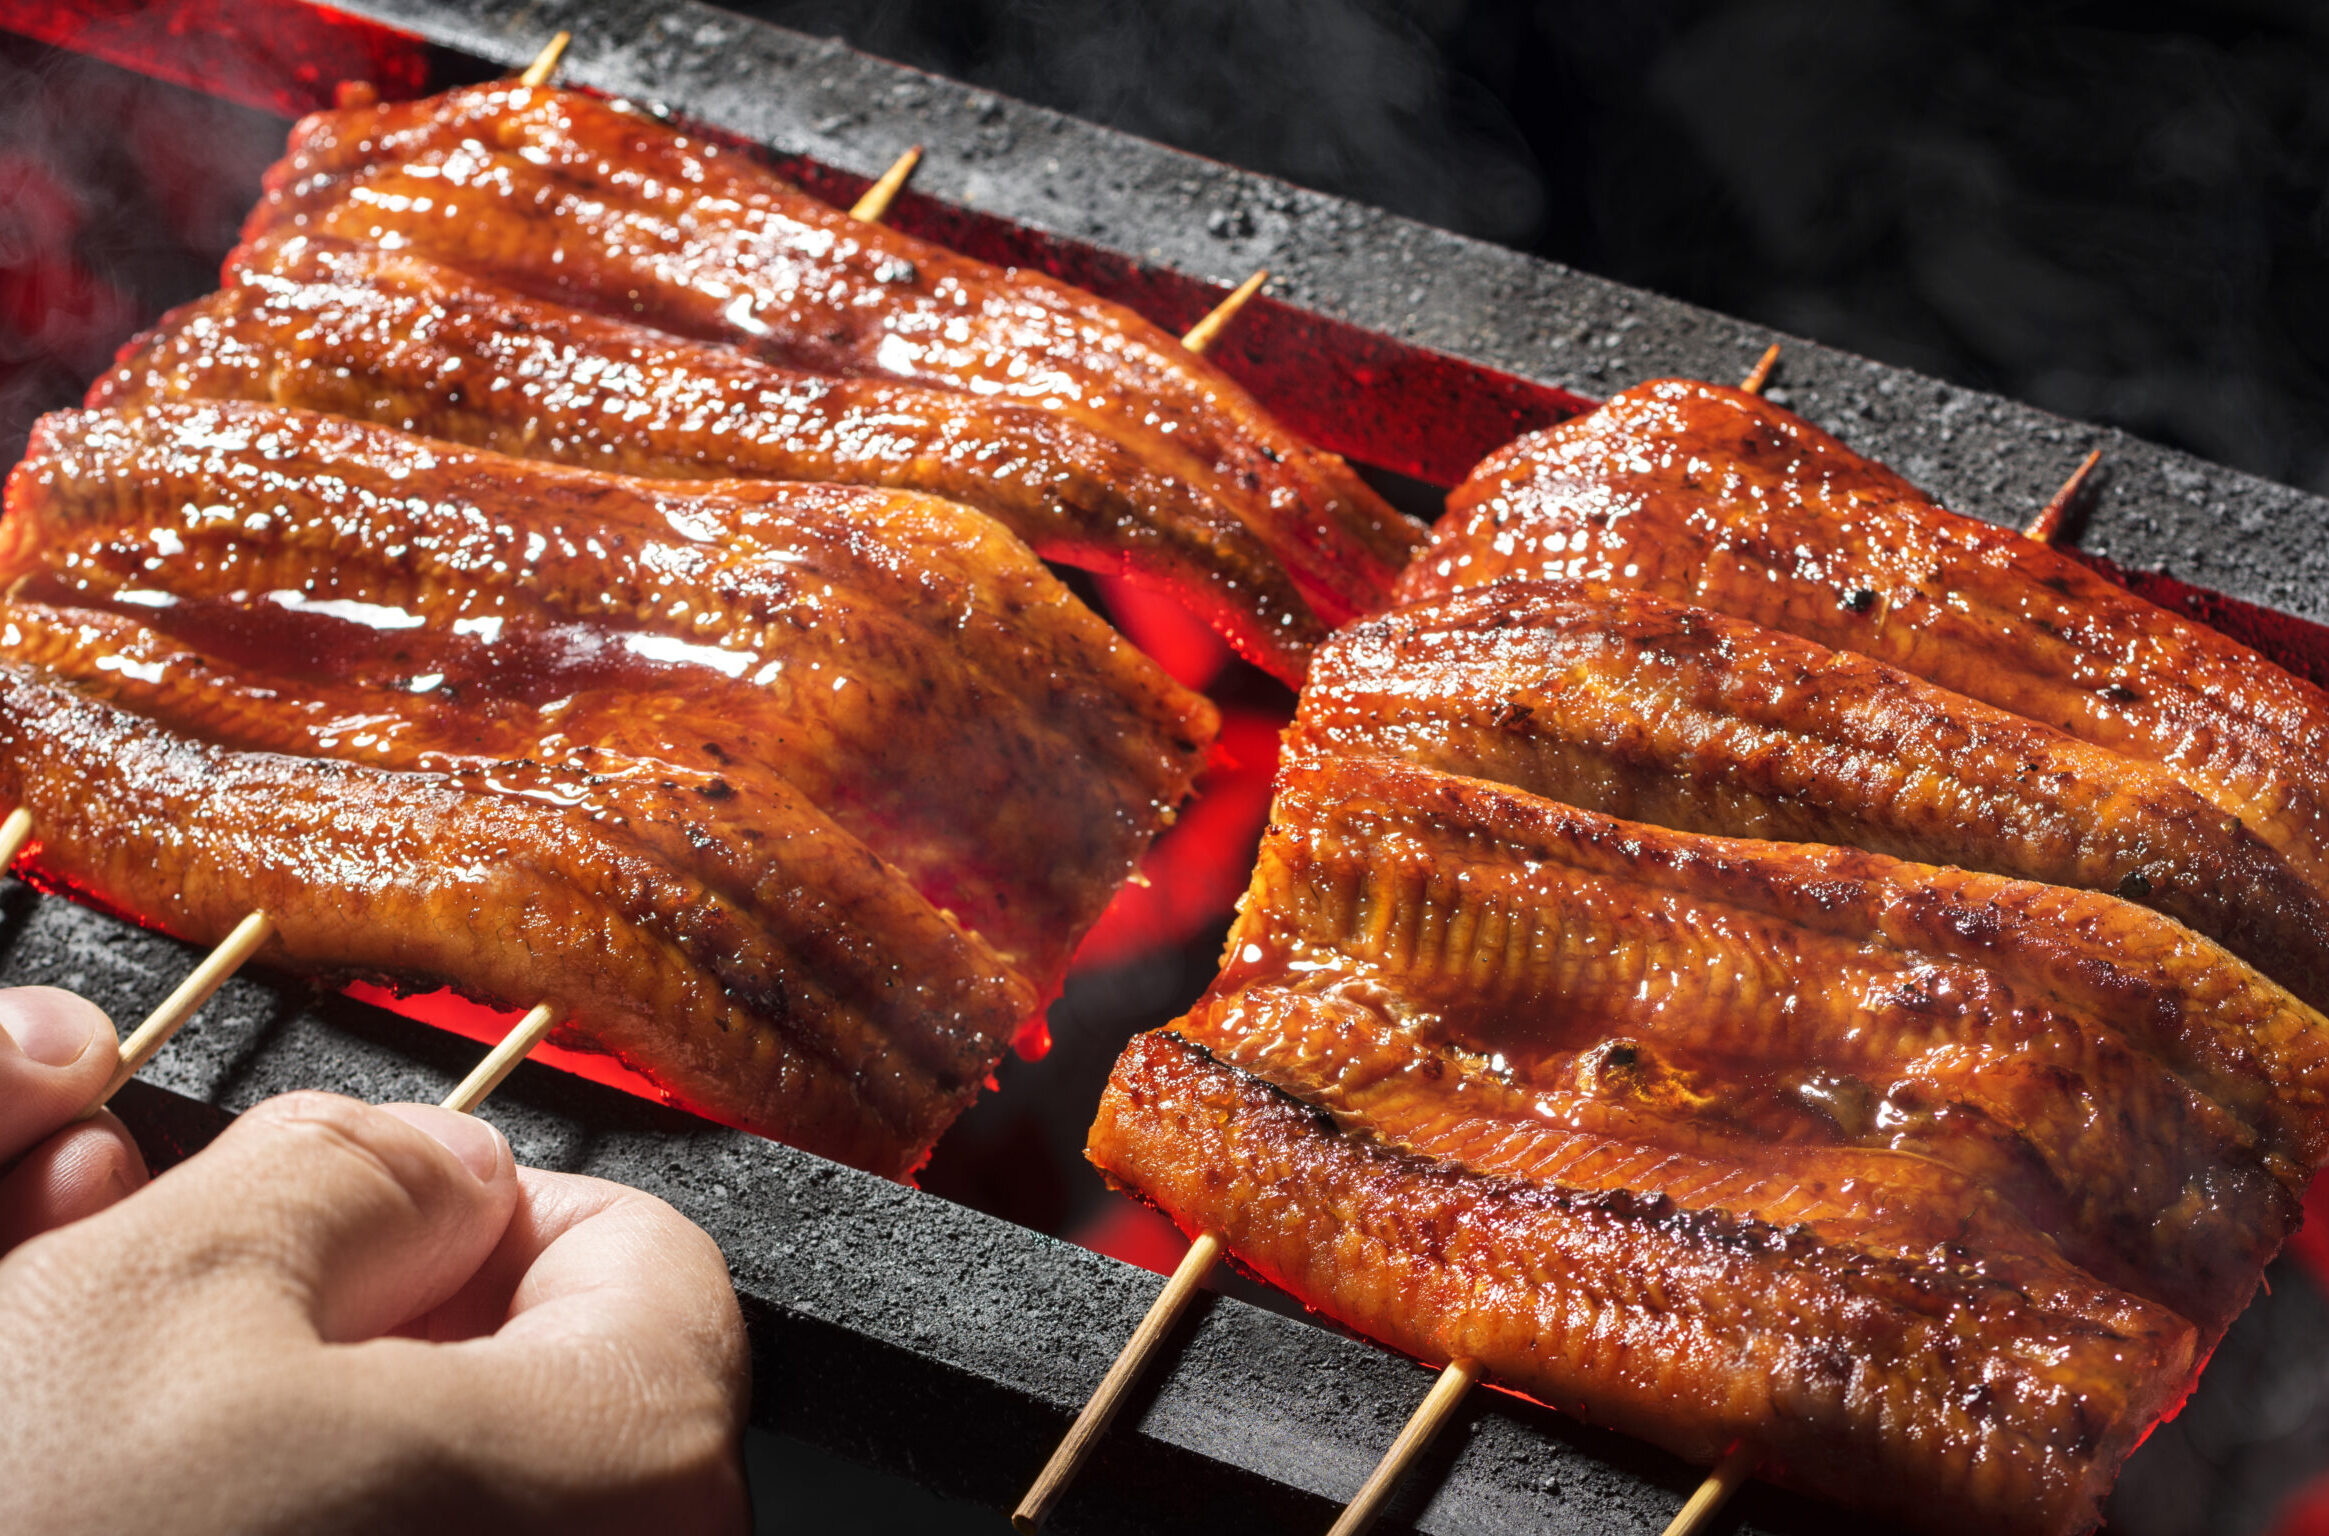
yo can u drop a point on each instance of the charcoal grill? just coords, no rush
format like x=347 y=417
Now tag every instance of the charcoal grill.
x=904 y=1330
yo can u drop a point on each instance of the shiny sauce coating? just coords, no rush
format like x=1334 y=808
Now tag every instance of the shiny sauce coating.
x=765 y=687
x=391 y=337
x=1717 y=498
x=1622 y=701
x=575 y=200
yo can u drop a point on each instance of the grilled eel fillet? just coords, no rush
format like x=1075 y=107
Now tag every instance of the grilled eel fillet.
x=831 y=1006
x=585 y=203
x=1932 y=1185
x=391 y=337
x=1715 y=497
x=1623 y=702
x=902 y=662
x=876 y=669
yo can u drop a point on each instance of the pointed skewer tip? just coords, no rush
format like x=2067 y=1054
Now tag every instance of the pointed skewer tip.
x=1760 y=374
x=2046 y=527
x=1208 y=330
x=874 y=206
x=546 y=62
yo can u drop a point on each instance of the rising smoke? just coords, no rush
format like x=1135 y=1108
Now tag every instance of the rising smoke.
x=117 y=197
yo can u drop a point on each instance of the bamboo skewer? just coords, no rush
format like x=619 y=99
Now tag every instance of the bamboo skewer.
x=15 y=832
x=546 y=62
x=874 y=206
x=1109 y=1395
x=1447 y=1391
x=239 y=945
x=2046 y=527
x=502 y=1060
x=1174 y=1299
x=184 y=1003
x=1453 y=1382
x=228 y=958
x=1421 y=1428
x=254 y=930
x=1714 y=1493
x=1208 y=330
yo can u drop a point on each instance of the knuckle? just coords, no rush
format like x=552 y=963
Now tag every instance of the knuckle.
x=324 y=1141
x=324 y=1125
x=305 y=1106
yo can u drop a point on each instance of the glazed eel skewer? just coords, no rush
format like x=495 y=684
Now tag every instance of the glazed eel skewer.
x=1715 y=498
x=393 y=337
x=252 y=932
x=1514 y=1011
x=575 y=207
x=1737 y=1464
x=1132 y=1362
x=556 y=596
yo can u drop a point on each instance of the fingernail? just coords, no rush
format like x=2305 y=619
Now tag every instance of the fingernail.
x=468 y=1138
x=50 y=1025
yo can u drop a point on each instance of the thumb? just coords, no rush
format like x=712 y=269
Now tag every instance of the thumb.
x=318 y=1213
x=56 y=1053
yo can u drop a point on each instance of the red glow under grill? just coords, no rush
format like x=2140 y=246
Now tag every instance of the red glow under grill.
x=277 y=55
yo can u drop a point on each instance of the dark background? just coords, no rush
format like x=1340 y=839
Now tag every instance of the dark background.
x=2114 y=211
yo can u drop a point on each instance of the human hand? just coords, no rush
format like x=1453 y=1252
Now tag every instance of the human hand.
x=57 y=1052
x=354 y=1319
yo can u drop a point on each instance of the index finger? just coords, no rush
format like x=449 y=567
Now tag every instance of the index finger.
x=603 y=1358
x=585 y=1256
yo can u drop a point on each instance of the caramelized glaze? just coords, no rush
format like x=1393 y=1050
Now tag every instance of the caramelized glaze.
x=850 y=715
x=1621 y=701
x=1947 y=1394
x=850 y=1019
x=903 y=663
x=1710 y=496
x=579 y=201
x=1700 y=1081
x=393 y=338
